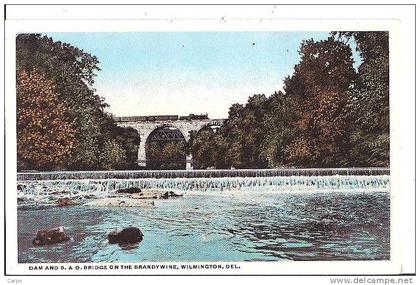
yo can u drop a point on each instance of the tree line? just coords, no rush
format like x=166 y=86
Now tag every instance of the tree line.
x=329 y=115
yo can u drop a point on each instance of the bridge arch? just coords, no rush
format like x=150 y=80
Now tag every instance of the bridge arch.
x=165 y=148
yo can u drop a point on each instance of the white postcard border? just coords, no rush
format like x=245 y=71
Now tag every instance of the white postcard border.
x=398 y=20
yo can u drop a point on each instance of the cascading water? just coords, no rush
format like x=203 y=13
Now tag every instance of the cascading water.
x=48 y=190
x=207 y=173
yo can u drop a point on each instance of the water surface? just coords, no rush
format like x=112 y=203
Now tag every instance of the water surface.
x=256 y=225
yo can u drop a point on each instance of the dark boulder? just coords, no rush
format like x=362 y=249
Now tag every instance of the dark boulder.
x=65 y=202
x=168 y=194
x=131 y=190
x=127 y=235
x=51 y=236
x=173 y=194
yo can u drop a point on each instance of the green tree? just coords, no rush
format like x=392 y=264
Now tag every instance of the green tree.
x=165 y=154
x=253 y=136
x=129 y=140
x=279 y=129
x=113 y=156
x=243 y=134
x=205 y=148
x=368 y=107
x=201 y=147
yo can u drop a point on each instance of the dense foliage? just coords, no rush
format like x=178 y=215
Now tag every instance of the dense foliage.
x=98 y=142
x=165 y=155
x=368 y=107
x=320 y=87
x=45 y=135
x=330 y=115
x=203 y=144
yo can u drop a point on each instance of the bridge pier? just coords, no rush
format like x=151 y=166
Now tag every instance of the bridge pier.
x=189 y=165
x=142 y=152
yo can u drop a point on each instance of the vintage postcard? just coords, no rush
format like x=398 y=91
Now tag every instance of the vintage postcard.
x=209 y=140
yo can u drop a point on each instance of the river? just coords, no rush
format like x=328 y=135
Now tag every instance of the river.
x=254 y=224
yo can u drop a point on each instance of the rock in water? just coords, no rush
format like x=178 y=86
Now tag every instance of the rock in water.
x=129 y=190
x=173 y=194
x=127 y=235
x=168 y=194
x=51 y=236
x=65 y=202
x=155 y=194
x=144 y=196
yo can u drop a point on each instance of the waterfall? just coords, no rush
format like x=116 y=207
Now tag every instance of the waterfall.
x=208 y=173
x=48 y=190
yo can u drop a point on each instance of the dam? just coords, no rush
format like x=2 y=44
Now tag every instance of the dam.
x=78 y=185
x=208 y=173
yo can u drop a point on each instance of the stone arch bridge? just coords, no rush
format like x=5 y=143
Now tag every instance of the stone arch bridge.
x=146 y=125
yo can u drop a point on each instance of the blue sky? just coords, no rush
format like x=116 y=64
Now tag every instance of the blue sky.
x=149 y=73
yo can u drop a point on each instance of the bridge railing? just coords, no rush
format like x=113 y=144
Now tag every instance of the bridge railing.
x=138 y=174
